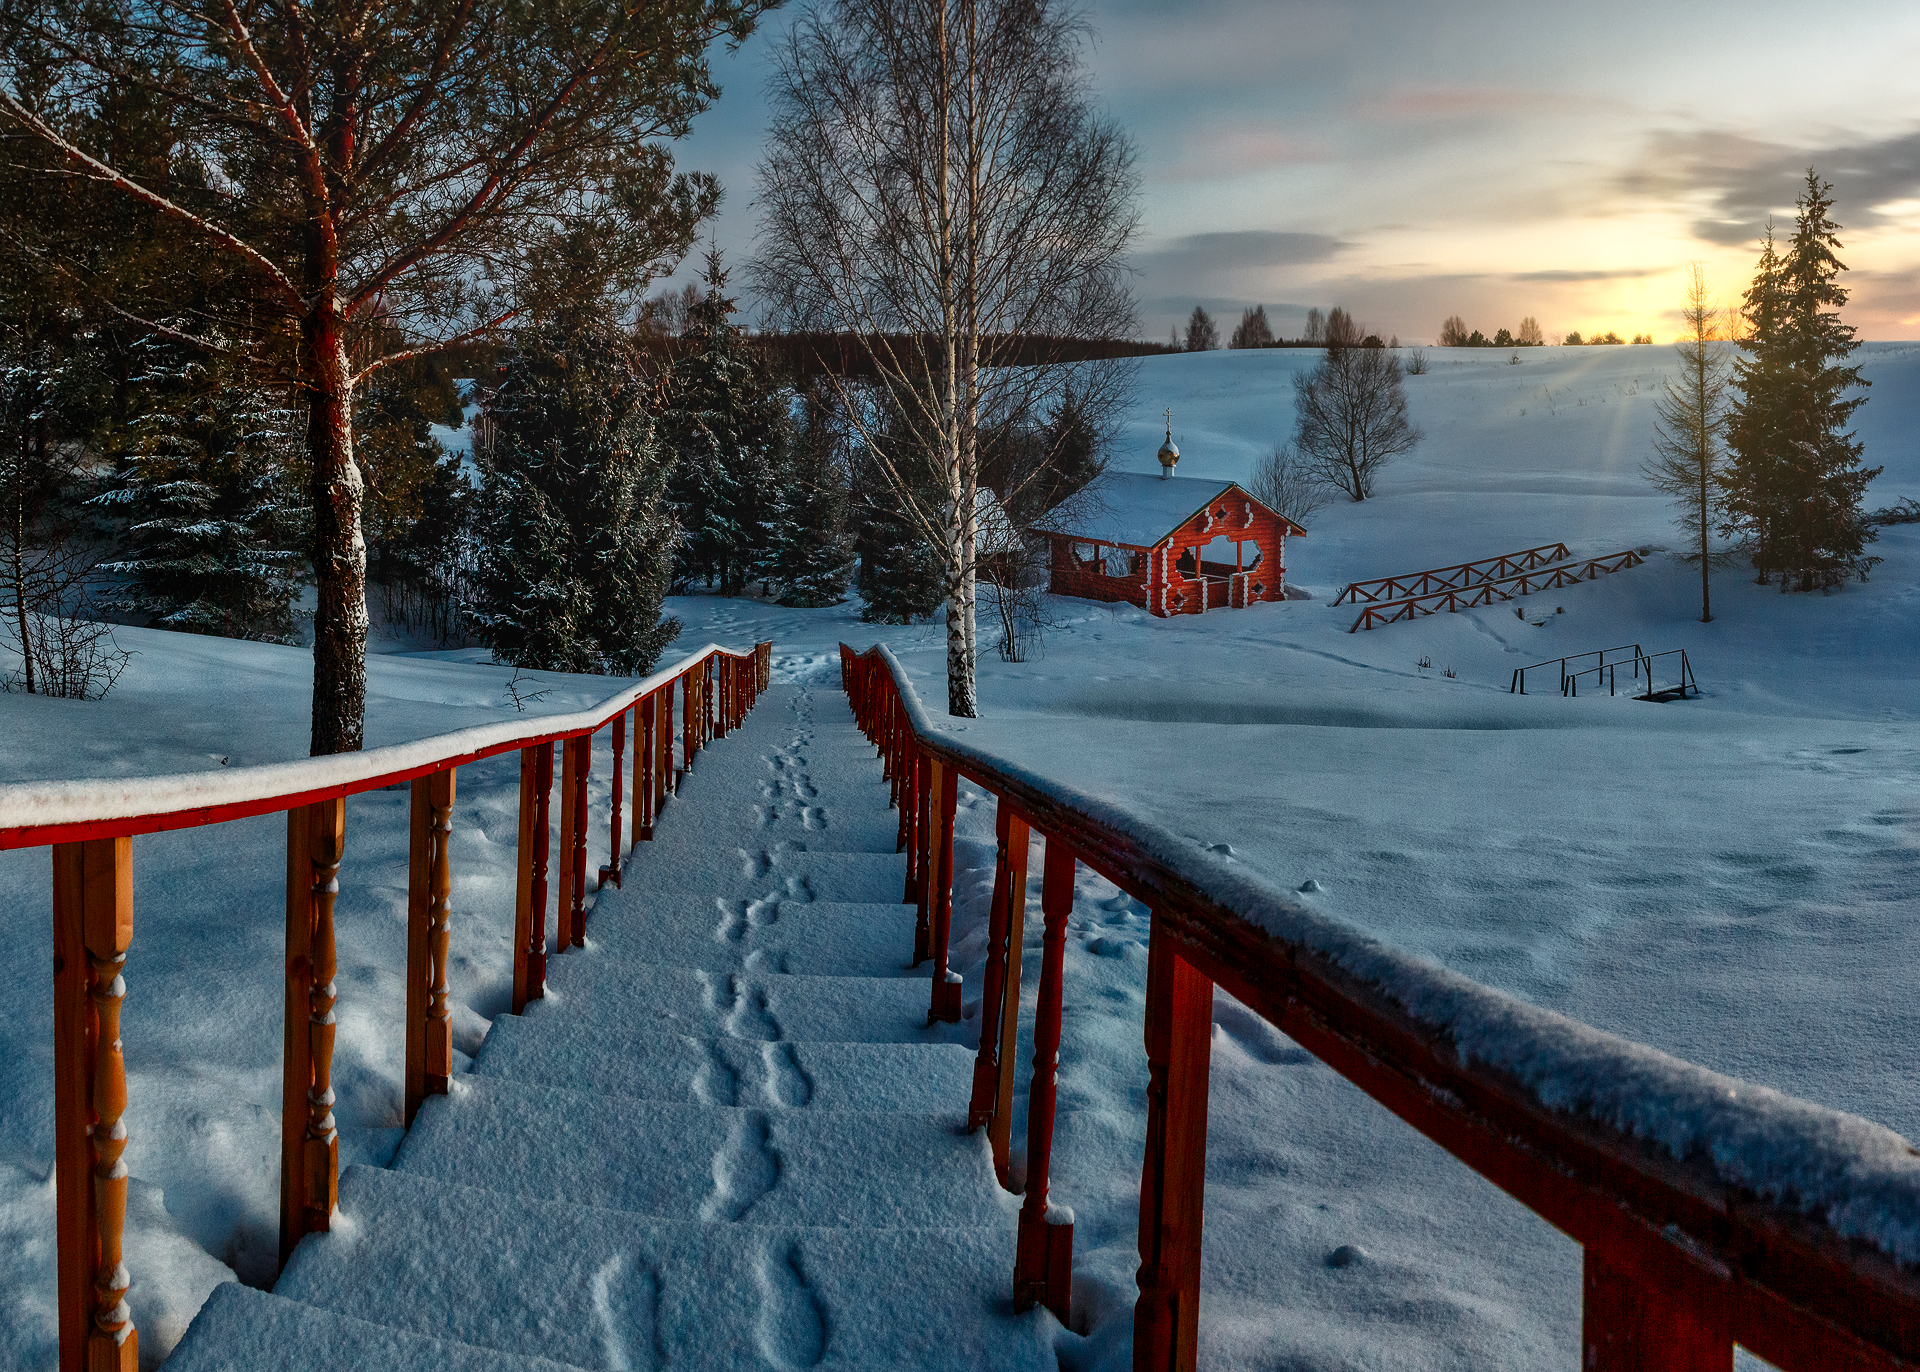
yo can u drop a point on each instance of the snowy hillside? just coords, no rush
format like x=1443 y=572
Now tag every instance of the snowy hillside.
x=1731 y=879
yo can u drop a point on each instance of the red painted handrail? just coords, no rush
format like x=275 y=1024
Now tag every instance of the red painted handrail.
x=1712 y=1212
x=89 y=824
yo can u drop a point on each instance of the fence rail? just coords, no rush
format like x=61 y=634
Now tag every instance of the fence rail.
x=1492 y=592
x=90 y=825
x=1457 y=577
x=1757 y=1219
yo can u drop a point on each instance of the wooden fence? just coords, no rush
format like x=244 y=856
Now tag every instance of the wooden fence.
x=1683 y=1258
x=1455 y=578
x=89 y=825
x=1493 y=592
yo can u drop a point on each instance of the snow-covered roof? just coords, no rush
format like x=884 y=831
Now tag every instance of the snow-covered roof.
x=1124 y=507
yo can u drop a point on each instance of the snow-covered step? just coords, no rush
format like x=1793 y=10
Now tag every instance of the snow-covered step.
x=728 y=933
x=746 y=1005
x=243 y=1330
x=693 y=1162
x=603 y=1289
x=725 y=865
x=583 y=1055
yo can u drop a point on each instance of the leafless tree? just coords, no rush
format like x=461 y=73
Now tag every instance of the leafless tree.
x=1416 y=361
x=1343 y=330
x=1350 y=417
x=1453 y=332
x=1530 y=335
x=938 y=184
x=1284 y=481
x=377 y=180
x=65 y=647
x=1253 y=330
x=1689 y=455
x=1203 y=335
x=1316 y=331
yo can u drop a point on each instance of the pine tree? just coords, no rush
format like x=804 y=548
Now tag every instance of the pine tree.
x=205 y=497
x=575 y=538
x=725 y=426
x=1692 y=413
x=1797 y=481
x=808 y=557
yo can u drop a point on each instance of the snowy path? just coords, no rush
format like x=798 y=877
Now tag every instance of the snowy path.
x=725 y=1138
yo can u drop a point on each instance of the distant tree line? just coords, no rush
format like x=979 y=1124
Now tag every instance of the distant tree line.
x=1335 y=328
x=1455 y=334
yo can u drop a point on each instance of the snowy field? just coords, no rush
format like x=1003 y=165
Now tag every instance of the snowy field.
x=1730 y=879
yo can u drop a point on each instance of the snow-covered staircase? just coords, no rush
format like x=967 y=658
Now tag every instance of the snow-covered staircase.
x=726 y=1138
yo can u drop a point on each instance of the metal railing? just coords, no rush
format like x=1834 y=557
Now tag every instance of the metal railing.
x=90 y=826
x=1639 y=669
x=1710 y=1213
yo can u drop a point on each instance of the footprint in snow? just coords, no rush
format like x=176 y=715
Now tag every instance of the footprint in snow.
x=626 y=1302
x=792 y=1325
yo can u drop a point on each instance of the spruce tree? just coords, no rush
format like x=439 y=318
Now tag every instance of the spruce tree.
x=724 y=426
x=1798 y=482
x=808 y=556
x=575 y=539
x=899 y=578
x=206 y=502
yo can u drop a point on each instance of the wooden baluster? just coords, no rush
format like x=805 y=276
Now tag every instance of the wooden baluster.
x=663 y=709
x=309 y=1141
x=564 y=897
x=686 y=727
x=903 y=838
x=1043 y=1266
x=1000 y=982
x=530 y=894
x=1179 y=1035
x=646 y=770
x=945 y=1003
x=92 y=930
x=612 y=869
x=926 y=859
x=1633 y=1326
x=429 y=935
x=574 y=805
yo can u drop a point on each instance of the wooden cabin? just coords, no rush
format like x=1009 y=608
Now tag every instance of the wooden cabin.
x=1173 y=545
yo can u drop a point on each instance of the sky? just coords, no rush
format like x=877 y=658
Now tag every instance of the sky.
x=1411 y=161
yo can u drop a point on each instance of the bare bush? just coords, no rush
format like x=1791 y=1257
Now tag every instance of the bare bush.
x=1350 y=417
x=64 y=649
x=1285 y=482
x=1417 y=362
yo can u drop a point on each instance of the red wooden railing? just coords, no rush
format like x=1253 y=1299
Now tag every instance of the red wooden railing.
x=1711 y=1212
x=1454 y=578
x=1493 y=591
x=90 y=825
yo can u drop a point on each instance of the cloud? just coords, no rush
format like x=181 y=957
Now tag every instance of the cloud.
x=1744 y=180
x=1239 y=250
x=1615 y=274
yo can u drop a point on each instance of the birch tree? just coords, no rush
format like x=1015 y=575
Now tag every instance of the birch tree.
x=377 y=179
x=939 y=184
x=1689 y=461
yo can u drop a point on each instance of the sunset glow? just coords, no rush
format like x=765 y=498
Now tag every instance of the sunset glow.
x=1486 y=159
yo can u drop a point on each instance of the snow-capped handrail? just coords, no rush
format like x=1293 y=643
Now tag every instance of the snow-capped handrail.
x=89 y=825
x=1712 y=1211
x=36 y=813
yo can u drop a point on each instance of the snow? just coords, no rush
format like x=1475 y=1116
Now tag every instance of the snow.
x=1125 y=507
x=1730 y=881
x=25 y=804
